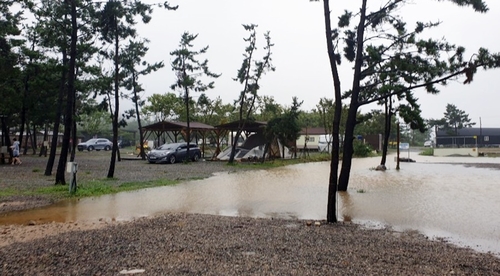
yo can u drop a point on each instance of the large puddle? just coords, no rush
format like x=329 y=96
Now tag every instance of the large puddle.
x=458 y=202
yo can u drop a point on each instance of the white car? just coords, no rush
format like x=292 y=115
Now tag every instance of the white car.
x=428 y=144
x=95 y=144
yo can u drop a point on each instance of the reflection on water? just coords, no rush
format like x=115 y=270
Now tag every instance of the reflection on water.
x=439 y=199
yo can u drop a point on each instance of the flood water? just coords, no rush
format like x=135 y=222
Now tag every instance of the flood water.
x=453 y=201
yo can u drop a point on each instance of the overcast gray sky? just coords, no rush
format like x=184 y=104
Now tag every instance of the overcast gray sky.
x=300 y=56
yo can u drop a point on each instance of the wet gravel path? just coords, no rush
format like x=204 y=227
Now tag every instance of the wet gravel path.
x=179 y=244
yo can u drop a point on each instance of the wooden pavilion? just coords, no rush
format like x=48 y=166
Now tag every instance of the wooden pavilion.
x=171 y=130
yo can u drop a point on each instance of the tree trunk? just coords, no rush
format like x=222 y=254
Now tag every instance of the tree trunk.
x=387 y=130
x=23 y=113
x=5 y=138
x=266 y=148
x=139 y=125
x=348 y=148
x=283 y=150
x=43 y=148
x=73 y=140
x=234 y=144
x=111 y=171
x=68 y=120
x=188 y=134
x=33 y=140
x=241 y=124
x=57 y=119
x=28 y=136
x=331 y=215
x=354 y=105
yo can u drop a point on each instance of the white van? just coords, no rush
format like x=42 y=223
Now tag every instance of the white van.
x=325 y=143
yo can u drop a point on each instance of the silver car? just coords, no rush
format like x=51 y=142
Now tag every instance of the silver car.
x=95 y=144
x=171 y=153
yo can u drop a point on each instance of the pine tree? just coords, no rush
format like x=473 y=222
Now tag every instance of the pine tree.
x=188 y=70
x=398 y=58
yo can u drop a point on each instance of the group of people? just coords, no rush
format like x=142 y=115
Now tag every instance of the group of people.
x=15 y=153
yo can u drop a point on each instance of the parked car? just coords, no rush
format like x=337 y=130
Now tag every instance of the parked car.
x=95 y=144
x=175 y=152
x=428 y=144
x=124 y=143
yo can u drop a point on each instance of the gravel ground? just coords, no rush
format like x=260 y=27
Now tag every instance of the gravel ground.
x=180 y=244
x=186 y=244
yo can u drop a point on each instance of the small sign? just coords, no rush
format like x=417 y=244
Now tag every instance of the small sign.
x=69 y=167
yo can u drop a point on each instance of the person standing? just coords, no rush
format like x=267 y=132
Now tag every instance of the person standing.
x=15 y=153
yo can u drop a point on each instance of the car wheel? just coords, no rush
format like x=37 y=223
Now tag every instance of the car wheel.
x=196 y=157
x=171 y=159
x=90 y=148
x=107 y=148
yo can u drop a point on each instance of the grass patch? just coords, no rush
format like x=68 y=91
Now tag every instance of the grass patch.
x=50 y=190
x=427 y=152
x=35 y=170
x=311 y=157
x=90 y=189
x=361 y=191
x=103 y=187
x=8 y=192
x=153 y=183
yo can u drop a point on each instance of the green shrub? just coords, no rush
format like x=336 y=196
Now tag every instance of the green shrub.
x=427 y=152
x=361 y=149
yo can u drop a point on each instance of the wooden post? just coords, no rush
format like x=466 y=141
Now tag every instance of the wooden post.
x=397 y=146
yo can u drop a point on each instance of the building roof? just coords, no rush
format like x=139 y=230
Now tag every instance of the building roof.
x=176 y=126
x=314 y=131
x=252 y=126
x=471 y=131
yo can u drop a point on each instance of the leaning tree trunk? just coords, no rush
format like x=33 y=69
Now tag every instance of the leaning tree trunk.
x=348 y=149
x=354 y=105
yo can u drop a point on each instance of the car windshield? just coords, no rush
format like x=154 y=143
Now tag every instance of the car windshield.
x=168 y=146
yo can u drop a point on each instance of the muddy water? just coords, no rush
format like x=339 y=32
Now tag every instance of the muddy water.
x=454 y=201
